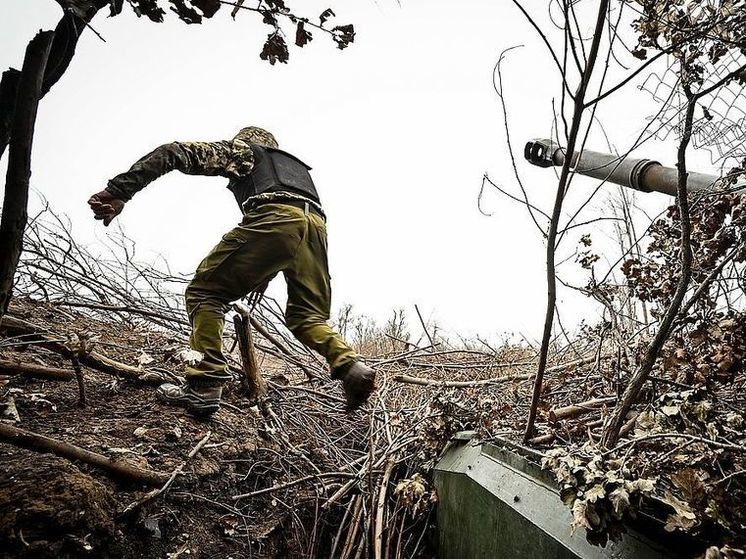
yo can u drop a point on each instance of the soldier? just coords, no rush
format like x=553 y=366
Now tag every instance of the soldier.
x=283 y=230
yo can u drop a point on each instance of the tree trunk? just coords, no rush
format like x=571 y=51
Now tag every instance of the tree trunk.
x=31 y=370
x=47 y=57
x=42 y=443
x=66 y=36
x=8 y=93
x=14 y=215
x=17 y=327
x=632 y=392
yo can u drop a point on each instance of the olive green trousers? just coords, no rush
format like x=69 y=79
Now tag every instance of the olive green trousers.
x=272 y=238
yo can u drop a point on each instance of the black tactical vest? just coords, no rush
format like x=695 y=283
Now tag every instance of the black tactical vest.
x=274 y=170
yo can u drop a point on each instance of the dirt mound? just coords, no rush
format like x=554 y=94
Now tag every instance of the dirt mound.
x=50 y=508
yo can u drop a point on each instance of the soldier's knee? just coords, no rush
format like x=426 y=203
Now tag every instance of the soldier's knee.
x=308 y=329
x=203 y=295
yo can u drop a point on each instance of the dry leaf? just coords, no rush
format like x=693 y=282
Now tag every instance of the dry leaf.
x=683 y=518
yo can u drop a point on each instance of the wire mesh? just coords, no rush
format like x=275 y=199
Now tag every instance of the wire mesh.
x=720 y=121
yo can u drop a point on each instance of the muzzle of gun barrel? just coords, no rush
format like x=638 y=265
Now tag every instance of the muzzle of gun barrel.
x=540 y=152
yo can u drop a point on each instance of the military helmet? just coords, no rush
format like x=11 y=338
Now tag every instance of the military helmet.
x=256 y=135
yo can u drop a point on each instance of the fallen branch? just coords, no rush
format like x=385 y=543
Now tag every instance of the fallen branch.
x=458 y=383
x=352 y=531
x=574 y=410
x=542 y=440
x=402 y=357
x=124 y=308
x=16 y=326
x=693 y=438
x=291 y=484
x=577 y=363
x=340 y=529
x=44 y=444
x=463 y=366
x=8 y=368
x=487 y=365
x=379 y=524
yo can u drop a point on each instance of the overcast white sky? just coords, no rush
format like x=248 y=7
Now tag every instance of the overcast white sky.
x=399 y=129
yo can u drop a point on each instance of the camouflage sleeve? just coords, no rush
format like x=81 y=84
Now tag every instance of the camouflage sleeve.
x=231 y=159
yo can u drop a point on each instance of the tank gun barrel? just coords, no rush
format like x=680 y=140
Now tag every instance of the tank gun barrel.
x=645 y=175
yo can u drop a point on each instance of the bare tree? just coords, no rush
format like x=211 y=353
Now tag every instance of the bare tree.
x=575 y=91
x=14 y=214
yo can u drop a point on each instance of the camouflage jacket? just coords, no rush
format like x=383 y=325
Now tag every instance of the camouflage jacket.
x=231 y=159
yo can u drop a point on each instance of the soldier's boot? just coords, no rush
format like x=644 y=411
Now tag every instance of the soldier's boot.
x=359 y=382
x=198 y=400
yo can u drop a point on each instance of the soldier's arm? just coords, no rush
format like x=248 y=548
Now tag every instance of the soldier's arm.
x=228 y=159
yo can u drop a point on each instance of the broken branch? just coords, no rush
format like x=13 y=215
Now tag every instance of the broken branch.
x=166 y=486
x=292 y=483
x=34 y=371
x=574 y=410
x=251 y=376
x=94 y=360
x=456 y=383
x=41 y=443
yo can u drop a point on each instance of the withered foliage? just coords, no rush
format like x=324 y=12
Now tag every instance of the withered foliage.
x=386 y=456
x=697 y=34
x=685 y=442
x=709 y=340
x=313 y=479
x=274 y=13
x=673 y=467
x=688 y=437
x=599 y=492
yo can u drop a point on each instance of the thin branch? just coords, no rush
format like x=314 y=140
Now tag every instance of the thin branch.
x=553 y=227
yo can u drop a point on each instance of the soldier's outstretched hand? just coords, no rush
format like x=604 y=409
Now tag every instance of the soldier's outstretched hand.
x=105 y=206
